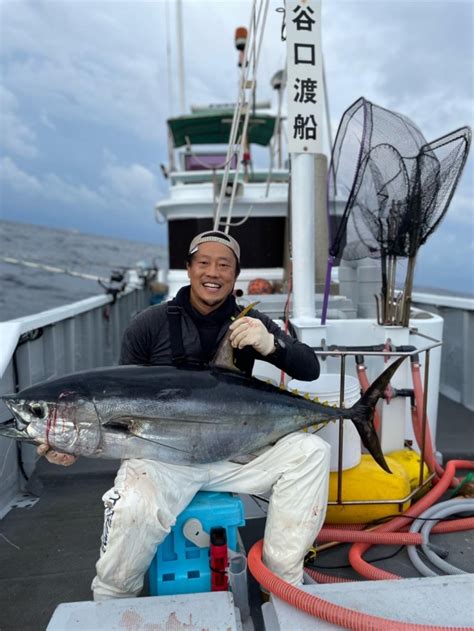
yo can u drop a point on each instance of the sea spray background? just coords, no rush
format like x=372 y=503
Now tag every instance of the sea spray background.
x=26 y=290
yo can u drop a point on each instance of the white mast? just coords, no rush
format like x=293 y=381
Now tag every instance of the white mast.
x=169 y=62
x=179 y=39
x=305 y=97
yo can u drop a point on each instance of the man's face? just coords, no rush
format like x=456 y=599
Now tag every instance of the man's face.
x=212 y=273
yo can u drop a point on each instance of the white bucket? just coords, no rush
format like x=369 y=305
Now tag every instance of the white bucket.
x=266 y=372
x=327 y=389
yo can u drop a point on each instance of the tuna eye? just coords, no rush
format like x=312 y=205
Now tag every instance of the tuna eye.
x=38 y=410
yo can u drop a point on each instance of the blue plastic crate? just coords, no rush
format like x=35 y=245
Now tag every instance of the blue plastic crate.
x=181 y=567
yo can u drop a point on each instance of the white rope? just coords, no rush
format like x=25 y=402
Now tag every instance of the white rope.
x=238 y=223
x=5 y=459
x=231 y=147
x=50 y=268
x=201 y=162
x=9 y=542
x=250 y=61
x=253 y=61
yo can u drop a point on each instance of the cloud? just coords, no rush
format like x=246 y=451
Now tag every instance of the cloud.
x=133 y=184
x=49 y=186
x=86 y=91
x=16 y=136
x=413 y=57
x=46 y=121
x=125 y=186
x=446 y=259
x=19 y=181
x=87 y=61
x=461 y=209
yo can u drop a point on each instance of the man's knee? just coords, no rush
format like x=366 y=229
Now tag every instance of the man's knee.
x=310 y=444
x=133 y=505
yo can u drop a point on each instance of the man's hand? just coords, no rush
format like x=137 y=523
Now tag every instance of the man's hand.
x=55 y=457
x=252 y=332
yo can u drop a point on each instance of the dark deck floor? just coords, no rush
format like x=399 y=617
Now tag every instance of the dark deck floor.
x=48 y=551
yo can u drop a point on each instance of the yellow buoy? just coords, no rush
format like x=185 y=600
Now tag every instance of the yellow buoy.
x=368 y=481
x=410 y=460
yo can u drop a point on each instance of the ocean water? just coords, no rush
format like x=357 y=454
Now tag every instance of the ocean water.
x=24 y=290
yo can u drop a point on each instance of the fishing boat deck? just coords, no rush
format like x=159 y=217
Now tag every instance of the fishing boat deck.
x=48 y=550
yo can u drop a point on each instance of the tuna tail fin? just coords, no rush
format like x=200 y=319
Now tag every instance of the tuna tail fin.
x=362 y=414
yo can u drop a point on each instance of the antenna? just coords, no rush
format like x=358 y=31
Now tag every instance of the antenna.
x=179 y=39
x=169 y=61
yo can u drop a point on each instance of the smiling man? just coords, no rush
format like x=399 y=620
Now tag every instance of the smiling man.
x=212 y=270
x=148 y=495
x=188 y=329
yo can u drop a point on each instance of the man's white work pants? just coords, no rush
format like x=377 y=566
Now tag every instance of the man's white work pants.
x=148 y=495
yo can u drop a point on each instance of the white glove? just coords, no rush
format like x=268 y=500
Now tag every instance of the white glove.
x=252 y=332
x=55 y=457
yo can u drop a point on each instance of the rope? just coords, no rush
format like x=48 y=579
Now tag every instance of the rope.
x=51 y=268
x=250 y=61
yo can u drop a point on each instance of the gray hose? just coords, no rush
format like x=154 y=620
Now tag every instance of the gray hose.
x=308 y=580
x=450 y=507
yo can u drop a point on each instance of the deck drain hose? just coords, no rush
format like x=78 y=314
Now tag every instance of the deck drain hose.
x=435 y=513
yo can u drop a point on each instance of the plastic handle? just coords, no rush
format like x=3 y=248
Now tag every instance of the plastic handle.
x=193 y=531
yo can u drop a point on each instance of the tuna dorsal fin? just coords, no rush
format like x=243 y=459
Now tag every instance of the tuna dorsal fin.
x=224 y=357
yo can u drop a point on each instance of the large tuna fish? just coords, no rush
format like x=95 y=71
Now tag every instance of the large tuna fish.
x=175 y=415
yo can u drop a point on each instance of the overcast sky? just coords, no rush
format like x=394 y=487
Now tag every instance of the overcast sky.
x=84 y=97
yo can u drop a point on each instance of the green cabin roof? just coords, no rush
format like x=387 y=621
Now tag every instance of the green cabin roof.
x=213 y=128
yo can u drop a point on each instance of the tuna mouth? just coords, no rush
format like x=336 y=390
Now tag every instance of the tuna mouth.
x=10 y=429
x=15 y=406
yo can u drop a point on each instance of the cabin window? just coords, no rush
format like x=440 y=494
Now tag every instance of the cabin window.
x=261 y=240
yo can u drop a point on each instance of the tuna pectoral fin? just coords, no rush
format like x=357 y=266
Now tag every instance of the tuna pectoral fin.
x=164 y=433
x=362 y=414
x=224 y=357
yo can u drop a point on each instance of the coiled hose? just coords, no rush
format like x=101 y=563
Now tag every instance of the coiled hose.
x=342 y=616
x=453 y=525
x=315 y=606
x=451 y=507
x=358 y=549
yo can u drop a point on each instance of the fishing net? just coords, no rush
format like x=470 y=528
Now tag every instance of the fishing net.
x=395 y=188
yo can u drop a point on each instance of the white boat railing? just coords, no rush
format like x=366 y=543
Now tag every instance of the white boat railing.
x=78 y=336
x=457 y=366
x=87 y=334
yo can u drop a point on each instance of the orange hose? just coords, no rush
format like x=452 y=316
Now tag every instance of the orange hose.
x=351 y=536
x=430 y=458
x=417 y=422
x=364 y=384
x=315 y=606
x=358 y=549
x=372 y=537
x=327 y=578
x=453 y=525
x=342 y=616
x=349 y=526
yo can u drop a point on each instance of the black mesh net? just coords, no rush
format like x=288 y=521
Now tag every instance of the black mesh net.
x=395 y=188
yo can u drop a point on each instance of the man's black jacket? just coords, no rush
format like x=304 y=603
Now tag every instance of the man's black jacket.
x=147 y=342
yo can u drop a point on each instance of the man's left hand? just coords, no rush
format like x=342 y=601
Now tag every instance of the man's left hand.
x=252 y=332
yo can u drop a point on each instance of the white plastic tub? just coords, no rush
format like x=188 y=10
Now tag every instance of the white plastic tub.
x=327 y=389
